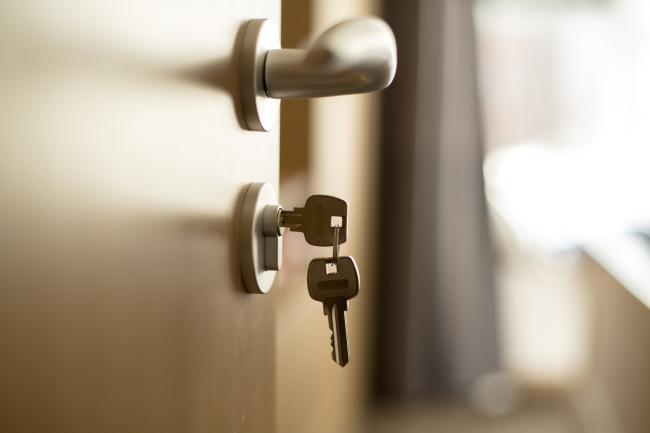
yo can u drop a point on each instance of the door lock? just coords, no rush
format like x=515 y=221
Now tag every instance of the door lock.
x=322 y=221
x=332 y=280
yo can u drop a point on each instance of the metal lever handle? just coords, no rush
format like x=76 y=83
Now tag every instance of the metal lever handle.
x=355 y=56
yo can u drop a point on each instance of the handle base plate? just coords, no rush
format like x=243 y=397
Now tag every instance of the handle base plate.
x=260 y=112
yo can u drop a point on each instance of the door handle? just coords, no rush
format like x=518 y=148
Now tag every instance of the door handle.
x=355 y=56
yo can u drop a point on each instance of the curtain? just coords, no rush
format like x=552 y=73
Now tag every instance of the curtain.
x=437 y=328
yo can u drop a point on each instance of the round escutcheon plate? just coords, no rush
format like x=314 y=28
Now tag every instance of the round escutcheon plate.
x=257 y=278
x=260 y=111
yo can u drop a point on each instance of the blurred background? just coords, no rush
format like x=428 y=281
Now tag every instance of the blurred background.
x=499 y=217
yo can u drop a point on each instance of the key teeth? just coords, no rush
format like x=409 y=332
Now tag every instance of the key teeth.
x=342 y=363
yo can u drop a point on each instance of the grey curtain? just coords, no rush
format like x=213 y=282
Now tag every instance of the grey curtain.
x=437 y=320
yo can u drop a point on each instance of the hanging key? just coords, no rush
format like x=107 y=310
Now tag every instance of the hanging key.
x=317 y=219
x=334 y=282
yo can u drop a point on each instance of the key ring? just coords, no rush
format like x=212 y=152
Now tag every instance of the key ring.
x=335 y=245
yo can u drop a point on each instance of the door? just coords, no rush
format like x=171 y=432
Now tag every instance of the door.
x=122 y=164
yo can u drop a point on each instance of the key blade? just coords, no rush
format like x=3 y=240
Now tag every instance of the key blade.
x=339 y=327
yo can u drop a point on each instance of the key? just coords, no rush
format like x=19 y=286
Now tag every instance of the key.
x=333 y=284
x=317 y=219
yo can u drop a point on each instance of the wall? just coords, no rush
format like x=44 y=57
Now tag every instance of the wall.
x=617 y=397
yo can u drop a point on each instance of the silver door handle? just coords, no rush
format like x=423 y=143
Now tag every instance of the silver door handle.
x=354 y=56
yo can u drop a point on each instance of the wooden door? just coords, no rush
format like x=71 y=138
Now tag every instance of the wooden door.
x=122 y=163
